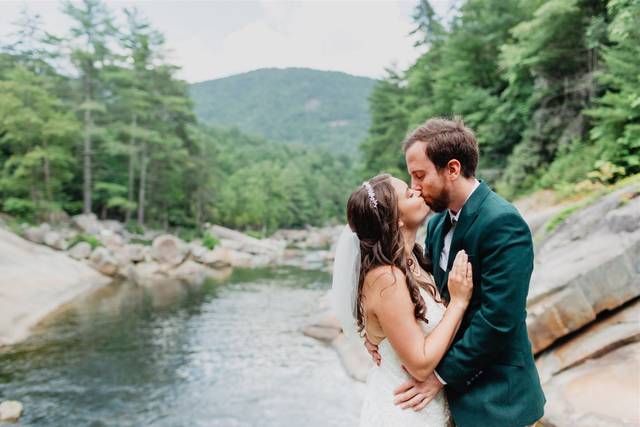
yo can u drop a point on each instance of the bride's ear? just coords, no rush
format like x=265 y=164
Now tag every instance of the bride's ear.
x=400 y=223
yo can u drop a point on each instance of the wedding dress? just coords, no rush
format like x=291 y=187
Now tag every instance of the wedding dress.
x=378 y=409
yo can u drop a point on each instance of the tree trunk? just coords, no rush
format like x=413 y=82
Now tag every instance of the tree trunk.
x=86 y=188
x=132 y=145
x=143 y=181
x=47 y=181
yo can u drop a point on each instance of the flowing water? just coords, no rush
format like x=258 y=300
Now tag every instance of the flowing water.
x=223 y=354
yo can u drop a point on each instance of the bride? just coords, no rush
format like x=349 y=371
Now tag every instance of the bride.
x=382 y=286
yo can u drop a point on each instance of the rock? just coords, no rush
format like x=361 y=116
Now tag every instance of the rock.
x=80 y=250
x=240 y=259
x=197 y=251
x=36 y=234
x=54 y=240
x=216 y=258
x=104 y=261
x=112 y=225
x=189 y=272
x=35 y=281
x=169 y=250
x=597 y=339
x=600 y=392
x=135 y=251
x=625 y=219
x=146 y=273
x=236 y=240
x=583 y=269
x=110 y=239
x=321 y=333
x=10 y=410
x=354 y=356
x=87 y=223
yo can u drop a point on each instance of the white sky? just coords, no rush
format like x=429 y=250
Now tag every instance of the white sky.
x=212 y=39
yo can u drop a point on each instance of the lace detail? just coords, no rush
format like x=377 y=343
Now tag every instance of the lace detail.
x=378 y=409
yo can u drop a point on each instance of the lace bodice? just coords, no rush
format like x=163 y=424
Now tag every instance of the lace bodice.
x=378 y=409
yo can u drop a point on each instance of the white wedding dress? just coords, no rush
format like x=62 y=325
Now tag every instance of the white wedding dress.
x=378 y=409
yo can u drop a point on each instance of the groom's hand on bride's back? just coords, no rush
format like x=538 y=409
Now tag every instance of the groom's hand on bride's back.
x=373 y=350
x=415 y=394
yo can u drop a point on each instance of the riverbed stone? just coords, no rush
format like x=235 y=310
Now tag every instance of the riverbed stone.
x=354 y=356
x=54 y=240
x=80 y=250
x=597 y=339
x=599 y=392
x=104 y=261
x=87 y=223
x=135 y=251
x=10 y=410
x=36 y=234
x=583 y=269
x=321 y=333
x=169 y=250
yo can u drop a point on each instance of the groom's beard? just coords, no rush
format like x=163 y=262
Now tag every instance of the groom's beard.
x=439 y=203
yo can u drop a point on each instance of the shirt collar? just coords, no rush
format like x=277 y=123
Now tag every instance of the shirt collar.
x=455 y=217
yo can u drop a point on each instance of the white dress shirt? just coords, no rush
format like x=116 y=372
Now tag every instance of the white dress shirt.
x=444 y=255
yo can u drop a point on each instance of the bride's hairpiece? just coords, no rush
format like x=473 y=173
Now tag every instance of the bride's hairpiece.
x=372 y=195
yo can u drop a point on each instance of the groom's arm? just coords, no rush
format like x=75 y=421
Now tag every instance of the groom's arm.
x=507 y=262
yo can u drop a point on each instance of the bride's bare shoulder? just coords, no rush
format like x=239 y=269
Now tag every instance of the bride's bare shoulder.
x=383 y=277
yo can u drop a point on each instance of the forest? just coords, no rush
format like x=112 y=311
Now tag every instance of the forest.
x=96 y=119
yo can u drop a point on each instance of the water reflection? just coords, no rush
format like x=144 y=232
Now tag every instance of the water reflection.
x=227 y=354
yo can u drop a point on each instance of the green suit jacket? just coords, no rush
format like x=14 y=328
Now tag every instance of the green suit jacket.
x=491 y=376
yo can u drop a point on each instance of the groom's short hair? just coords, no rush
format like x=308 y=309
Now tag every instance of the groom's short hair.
x=447 y=139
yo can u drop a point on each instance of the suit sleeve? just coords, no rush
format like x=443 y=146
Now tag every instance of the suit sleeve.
x=506 y=254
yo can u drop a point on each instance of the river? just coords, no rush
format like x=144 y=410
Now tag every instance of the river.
x=223 y=354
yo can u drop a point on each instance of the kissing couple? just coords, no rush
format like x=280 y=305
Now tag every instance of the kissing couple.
x=445 y=325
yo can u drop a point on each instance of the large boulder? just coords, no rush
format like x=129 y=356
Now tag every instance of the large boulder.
x=169 y=250
x=136 y=252
x=10 y=410
x=35 y=281
x=601 y=392
x=87 y=223
x=110 y=239
x=595 y=340
x=238 y=241
x=55 y=240
x=36 y=234
x=590 y=264
x=146 y=273
x=104 y=261
x=80 y=250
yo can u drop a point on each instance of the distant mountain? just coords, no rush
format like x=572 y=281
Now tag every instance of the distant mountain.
x=292 y=105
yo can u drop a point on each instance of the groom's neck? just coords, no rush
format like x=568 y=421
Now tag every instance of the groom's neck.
x=460 y=193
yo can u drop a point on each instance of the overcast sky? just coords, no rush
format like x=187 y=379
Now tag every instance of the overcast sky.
x=212 y=39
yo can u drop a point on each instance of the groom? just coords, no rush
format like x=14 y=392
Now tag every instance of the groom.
x=489 y=371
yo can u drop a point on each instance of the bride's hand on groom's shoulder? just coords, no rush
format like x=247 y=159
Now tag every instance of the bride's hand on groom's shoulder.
x=460 y=283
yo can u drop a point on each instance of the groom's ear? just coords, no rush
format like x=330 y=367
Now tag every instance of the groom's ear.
x=454 y=168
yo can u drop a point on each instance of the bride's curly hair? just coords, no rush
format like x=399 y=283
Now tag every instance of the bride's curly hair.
x=381 y=242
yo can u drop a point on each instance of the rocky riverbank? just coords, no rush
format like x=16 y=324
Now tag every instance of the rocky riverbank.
x=50 y=265
x=583 y=310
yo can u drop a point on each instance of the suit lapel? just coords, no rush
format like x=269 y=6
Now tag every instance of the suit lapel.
x=465 y=220
x=438 y=243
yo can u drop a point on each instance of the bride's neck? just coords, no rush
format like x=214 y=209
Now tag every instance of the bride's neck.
x=409 y=237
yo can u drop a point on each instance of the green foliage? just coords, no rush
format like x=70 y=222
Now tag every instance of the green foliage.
x=294 y=105
x=209 y=241
x=551 y=88
x=561 y=217
x=617 y=111
x=89 y=238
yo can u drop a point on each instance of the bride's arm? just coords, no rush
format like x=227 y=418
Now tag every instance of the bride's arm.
x=394 y=309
